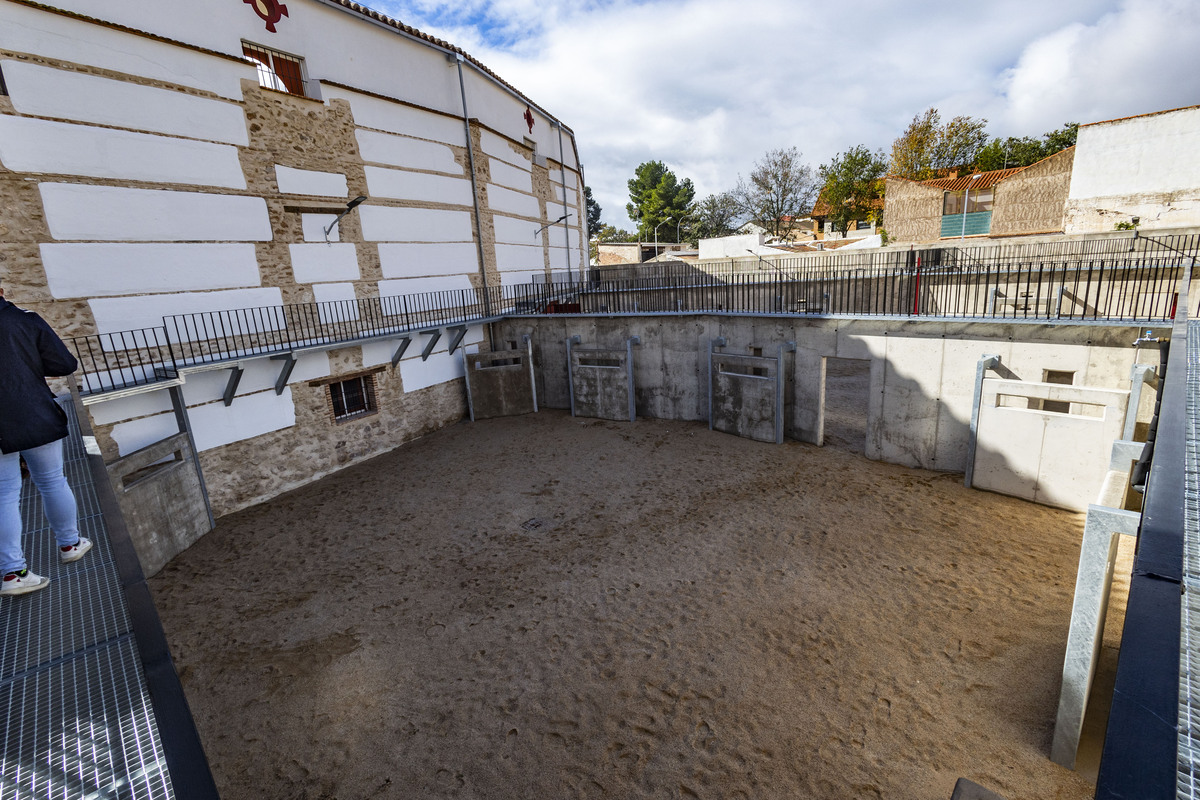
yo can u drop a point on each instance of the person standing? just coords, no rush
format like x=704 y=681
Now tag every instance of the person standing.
x=33 y=426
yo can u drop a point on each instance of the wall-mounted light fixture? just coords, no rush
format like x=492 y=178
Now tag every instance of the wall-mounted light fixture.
x=538 y=232
x=349 y=207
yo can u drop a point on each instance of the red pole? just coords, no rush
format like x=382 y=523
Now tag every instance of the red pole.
x=917 y=291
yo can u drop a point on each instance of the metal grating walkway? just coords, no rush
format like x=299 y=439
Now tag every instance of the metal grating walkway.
x=1188 y=771
x=78 y=721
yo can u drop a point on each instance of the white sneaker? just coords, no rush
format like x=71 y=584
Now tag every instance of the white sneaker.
x=75 y=551
x=22 y=582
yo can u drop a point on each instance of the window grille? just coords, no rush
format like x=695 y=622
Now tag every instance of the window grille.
x=353 y=397
x=276 y=70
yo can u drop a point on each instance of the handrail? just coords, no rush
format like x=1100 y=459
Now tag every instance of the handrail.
x=1112 y=287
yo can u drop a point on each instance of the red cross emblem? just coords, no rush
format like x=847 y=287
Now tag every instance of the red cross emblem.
x=270 y=11
x=528 y=116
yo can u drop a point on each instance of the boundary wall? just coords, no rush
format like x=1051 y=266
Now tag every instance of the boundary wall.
x=922 y=378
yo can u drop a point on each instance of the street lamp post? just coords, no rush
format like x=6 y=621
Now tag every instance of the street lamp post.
x=656 y=227
x=677 y=224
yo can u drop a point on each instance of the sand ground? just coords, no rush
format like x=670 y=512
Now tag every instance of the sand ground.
x=548 y=607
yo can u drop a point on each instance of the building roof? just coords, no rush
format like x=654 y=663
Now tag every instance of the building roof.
x=348 y=5
x=985 y=180
x=977 y=180
x=409 y=30
x=1138 y=116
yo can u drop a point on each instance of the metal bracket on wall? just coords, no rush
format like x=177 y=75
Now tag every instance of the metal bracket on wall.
x=573 y=340
x=433 y=335
x=289 y=363
x=457 y=333
x=713 y=344
x=985 y=363
x=235 y=377
x=399 y=354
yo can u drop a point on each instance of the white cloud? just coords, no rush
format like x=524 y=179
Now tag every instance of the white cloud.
x=1139 y=58
x=708 y=86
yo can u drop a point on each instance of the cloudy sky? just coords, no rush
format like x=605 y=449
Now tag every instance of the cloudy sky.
x=709 y=86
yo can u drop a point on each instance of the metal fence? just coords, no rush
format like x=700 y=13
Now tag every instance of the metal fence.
x=1113 y=280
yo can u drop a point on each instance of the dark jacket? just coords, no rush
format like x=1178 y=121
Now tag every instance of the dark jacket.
x=30 y=352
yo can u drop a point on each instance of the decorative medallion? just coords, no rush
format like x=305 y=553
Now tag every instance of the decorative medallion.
x=528 y=115
x=271 y=11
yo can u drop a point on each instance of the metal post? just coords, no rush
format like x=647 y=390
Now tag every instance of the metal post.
x=712 y=345
x=462 y=90
x=985 y=363
x=181 y=419
x=1140 y=375
x=786 y=347
x=528 y=340
x=562 y=171
x=467 y=379
x=629 y=343
x=571 y=372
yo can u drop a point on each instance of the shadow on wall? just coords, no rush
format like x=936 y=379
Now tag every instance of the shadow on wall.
x=847 y=396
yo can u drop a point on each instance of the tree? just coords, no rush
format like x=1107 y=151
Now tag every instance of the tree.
x=780 y=188
x=656 y=195
x=1020 y=152
x=853 y=185
x=912 y=152
x=715 y=215
x=927 y=146
x=959 y=142
x=593 y=210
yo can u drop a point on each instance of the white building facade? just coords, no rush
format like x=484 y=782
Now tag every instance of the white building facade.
x=1145 y=167
x=159 y=159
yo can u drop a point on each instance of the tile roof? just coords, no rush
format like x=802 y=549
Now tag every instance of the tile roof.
x=977 y=180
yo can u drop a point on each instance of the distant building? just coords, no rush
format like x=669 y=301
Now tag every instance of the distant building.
x=1142 y=171
x=1002 y=202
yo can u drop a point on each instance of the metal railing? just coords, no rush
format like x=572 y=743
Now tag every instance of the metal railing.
x=1091 y=283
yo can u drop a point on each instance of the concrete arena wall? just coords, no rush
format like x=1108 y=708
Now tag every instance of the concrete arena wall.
x=922 y=372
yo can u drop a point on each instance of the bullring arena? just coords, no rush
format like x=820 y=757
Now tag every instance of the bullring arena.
x=547 y=606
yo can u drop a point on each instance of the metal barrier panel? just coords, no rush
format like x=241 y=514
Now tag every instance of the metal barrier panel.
x=500 y=384
x=1058 y=459
x=602 y=383
x=745 y=396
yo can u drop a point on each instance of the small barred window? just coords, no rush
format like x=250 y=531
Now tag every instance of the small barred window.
x=354 y=397
x=276 y=70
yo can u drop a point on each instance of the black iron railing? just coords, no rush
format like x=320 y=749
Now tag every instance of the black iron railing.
x=1093 y=283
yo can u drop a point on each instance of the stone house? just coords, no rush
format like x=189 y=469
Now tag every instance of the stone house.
x=187 y=160
x=1003 y=202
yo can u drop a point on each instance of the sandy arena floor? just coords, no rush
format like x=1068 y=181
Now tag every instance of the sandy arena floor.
x=548 y=607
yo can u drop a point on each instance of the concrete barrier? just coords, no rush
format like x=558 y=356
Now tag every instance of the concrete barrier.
x=161 y=498
x=1049 y=457
x=746 y=396
x=601 y=381
x=500 y=383
x=922 y=378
